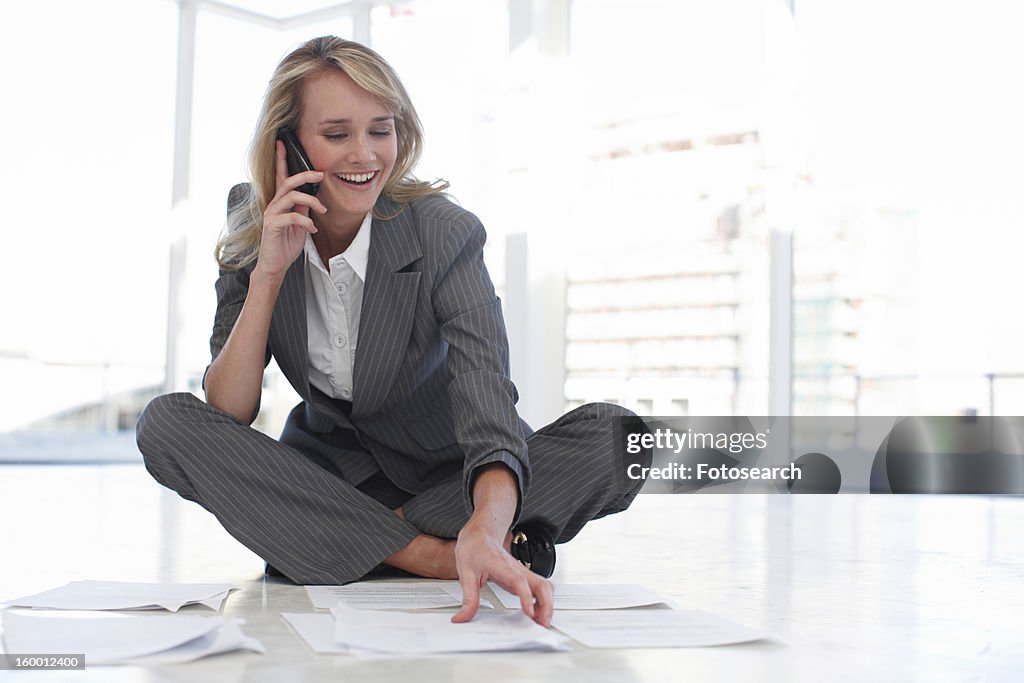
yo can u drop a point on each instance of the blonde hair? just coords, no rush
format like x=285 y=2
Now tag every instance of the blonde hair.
x=282 y=108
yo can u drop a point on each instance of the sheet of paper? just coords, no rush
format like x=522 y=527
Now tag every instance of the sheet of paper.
x=227 y=638
x=121 y=595
x=318 y=632
x=389 y=595
x=113 y=639
x=581 y=596
x=653 y=628
x=214 y=602
x=431 y=633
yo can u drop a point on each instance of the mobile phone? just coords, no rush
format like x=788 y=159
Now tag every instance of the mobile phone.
x=298 y=160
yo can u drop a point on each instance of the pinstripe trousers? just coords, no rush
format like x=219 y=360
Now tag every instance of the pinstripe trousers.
x=288 y=502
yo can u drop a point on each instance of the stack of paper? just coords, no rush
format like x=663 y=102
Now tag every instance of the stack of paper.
x=435 y=633
x=120 y=595
x=160 y=639
x=598 y=616
x=356 y=631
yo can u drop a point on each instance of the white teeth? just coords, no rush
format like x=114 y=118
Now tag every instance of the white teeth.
x=356 y=177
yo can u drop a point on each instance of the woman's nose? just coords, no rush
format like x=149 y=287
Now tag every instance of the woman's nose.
x=360 y=151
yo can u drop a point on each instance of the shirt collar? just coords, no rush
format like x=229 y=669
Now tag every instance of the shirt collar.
x=357 y=255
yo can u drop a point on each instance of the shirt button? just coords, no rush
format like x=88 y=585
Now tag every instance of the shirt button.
x=340 y=341
x=346 y=394
x=342 y=288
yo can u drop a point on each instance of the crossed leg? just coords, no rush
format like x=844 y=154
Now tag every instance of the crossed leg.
x=286 y=505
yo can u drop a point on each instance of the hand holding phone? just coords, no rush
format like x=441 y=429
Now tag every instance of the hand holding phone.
x=286 y=219
x=298 y=160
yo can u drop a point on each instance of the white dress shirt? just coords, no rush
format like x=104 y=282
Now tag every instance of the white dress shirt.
x=334 y=300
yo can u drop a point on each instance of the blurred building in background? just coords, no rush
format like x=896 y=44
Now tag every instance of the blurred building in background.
x=631 y=161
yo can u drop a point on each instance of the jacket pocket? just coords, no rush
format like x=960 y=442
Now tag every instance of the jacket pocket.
x=432 y=432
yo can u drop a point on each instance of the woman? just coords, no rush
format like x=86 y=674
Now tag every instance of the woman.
x=373 y=297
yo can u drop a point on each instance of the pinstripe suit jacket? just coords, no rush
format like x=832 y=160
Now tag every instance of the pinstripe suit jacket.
x=431 y=387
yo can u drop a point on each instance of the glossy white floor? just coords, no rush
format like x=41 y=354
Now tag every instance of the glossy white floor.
x=862 y=588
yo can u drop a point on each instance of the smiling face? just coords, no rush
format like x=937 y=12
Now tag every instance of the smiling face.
x=348 y=134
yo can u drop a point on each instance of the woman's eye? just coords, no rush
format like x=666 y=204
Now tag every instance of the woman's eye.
x=375 y=133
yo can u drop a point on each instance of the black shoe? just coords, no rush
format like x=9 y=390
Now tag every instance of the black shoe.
x=533 y=545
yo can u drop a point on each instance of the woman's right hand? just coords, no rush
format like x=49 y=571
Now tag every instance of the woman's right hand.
x=286 y=220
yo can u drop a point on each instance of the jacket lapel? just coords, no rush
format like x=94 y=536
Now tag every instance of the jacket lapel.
x=288 y=335
x=389 y=304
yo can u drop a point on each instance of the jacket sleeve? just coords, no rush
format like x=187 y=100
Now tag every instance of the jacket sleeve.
x=232 y=287
x=483 y=396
